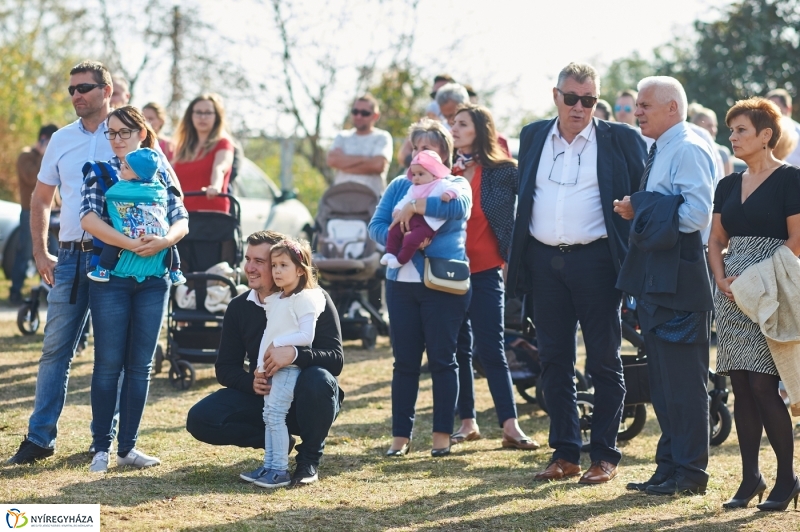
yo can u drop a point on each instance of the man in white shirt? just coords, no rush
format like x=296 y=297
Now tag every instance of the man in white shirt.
x=362 y=154
x=566 y=252
x=784 y=101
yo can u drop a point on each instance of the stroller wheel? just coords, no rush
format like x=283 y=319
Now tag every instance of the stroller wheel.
x=721 y=424
x=28 y=319
x=158 y=361
x=585 y=412
x=181 y=375
x=633 y=420
x=523 y=391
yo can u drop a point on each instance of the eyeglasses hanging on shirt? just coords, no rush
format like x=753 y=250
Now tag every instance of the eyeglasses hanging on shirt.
x=568 y=182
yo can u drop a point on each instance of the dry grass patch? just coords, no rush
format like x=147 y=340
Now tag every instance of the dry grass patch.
x=479 y=487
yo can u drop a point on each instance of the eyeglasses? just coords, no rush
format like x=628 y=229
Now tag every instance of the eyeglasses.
x=618 y=108
x=83 y=88
x=362 y=112
x=568 y=183
x=203 y=113
x=123 y=133
x=572 y=99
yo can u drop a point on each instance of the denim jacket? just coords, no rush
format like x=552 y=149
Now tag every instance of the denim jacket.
x=450 y=240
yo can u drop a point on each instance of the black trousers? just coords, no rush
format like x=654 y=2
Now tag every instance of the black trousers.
x=570 y=288
x=232 y=417
x=679 y=393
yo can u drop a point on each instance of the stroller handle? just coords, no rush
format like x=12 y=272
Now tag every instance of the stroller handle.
x=235 y=211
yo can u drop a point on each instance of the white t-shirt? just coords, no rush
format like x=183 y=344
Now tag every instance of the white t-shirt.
x=377 y=142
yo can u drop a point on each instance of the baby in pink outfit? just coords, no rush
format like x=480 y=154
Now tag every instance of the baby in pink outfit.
x=426 y=174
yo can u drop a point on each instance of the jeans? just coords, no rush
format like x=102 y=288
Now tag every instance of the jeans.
x=61 y=334
x=127 y=321
x=424 y=319
x=571 y=288
x=24 y=253
x=276 y=407
x=481 y=335
x=233 y=417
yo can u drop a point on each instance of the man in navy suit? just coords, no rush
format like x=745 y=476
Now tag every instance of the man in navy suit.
x=567 y=249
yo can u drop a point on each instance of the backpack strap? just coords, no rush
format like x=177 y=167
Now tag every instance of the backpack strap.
x=103 y=173
x=162 y=177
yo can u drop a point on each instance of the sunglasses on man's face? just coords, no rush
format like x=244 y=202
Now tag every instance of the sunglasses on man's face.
x=572 y=99
x=83 y=88
x=362 y=112
x=626 y=108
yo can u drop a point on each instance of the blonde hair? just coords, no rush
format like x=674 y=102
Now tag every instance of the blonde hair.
x=788 y=141
x=186 y=137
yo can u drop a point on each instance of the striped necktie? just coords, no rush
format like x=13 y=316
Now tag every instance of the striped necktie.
x=650 y=158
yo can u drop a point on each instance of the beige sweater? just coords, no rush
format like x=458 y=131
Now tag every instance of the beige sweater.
x=769 y=294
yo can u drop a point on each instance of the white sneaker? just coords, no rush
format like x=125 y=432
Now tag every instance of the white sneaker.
x=99 y=463
x=137 y=458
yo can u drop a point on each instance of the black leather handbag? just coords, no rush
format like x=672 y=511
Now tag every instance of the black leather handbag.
x=447 y=275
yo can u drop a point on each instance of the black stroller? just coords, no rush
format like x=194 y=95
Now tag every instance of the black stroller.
x=193 y=335
x=348 y=261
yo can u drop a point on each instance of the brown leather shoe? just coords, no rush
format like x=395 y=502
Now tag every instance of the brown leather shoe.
x=599 y=473
x=559 y=469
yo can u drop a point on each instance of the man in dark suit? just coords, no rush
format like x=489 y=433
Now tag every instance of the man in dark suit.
x=567 y=249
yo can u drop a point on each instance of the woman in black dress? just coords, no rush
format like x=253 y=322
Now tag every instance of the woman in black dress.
x=755 y=212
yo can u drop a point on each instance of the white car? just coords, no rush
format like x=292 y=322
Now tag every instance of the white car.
x=9 y=222
x=263 y=204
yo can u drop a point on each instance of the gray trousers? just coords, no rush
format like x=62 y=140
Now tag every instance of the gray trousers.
x=678 y=388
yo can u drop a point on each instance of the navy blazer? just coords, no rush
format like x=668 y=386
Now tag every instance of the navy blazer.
x=621 y=156
x=665 y=268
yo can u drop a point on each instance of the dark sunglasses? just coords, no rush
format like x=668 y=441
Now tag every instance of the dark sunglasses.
x=362 y=112
x=618 y=108
x=83 y=88
x=572 y=99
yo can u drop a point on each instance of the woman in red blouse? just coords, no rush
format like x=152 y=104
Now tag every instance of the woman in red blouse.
x=494 y=179
x=204 y=154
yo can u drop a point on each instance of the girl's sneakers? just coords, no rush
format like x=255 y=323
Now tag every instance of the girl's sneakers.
x=274 y=479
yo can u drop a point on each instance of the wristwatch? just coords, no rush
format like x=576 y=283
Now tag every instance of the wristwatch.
x=414 y=204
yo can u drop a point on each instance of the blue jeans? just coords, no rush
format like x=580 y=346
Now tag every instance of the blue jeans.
x=127 y=321
x=62 y=331
x=481 y=335
x=276 y=407
x=24 y=252
x=424 y=320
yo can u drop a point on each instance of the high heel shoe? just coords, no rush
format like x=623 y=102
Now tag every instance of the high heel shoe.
x=438 y=453
x=779 y=506
x=742 y=503
x=402 y=451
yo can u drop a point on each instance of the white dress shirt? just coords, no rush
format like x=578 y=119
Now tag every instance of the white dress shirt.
x=566 y=201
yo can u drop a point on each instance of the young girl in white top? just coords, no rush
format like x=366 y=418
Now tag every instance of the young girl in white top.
x=292 y=314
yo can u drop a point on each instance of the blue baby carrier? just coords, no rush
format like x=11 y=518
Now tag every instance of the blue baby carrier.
x=136 y=208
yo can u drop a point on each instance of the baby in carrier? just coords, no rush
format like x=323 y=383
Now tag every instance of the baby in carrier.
x=137 y=206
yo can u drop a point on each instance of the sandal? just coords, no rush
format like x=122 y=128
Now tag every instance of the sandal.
x=460 y=437
x=525 y=443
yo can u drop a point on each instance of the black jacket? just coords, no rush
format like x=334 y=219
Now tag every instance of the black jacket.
x=664 y=267
x=242 y=329
x=498 y=199
x=621 y=155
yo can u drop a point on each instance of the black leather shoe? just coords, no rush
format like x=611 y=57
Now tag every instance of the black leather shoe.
x=402 y=451
x=742 y=503
x=304 y=473
x=29 y=452
x=676 y=485
x=779 y=506
x=655 y=480
x=438 y=453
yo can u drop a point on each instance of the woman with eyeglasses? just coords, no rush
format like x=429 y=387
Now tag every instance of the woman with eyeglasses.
x=128 y=307
x=493 y=177
x=204 y=154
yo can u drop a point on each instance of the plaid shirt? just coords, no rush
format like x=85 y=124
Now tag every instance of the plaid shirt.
x=94 y=198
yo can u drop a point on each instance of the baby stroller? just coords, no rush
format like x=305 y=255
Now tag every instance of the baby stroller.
x=193 y=335
x=348 y=261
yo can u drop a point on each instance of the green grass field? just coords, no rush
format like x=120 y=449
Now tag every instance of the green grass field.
x=479 y=487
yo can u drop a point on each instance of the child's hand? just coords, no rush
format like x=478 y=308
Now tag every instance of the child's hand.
x=445 y=197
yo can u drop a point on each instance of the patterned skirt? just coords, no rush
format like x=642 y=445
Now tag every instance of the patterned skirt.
x=740 y=343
